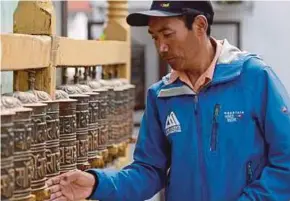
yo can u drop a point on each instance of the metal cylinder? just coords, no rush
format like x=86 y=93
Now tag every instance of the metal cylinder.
x=38 y=150
x=7 y=150
x=67 y=134
x=82 y=118
x=119 y=121
x=22 y=145
x=93 y=132
x=52 y=143
x=22 y=154
x=103 y=121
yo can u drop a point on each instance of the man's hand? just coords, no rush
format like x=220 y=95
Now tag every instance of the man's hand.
x=71 y=186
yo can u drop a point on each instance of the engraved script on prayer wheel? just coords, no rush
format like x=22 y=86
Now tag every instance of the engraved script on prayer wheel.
x=82 y=118
x=103 y=121
x=7 y=149
x=93 y=129
x=52 y=143
x=22 y=153
x=67 y=133
x=38 y=149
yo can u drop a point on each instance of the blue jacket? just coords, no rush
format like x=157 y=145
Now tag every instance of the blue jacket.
x=229 y=142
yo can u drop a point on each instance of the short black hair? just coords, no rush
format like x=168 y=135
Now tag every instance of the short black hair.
x=189 y=19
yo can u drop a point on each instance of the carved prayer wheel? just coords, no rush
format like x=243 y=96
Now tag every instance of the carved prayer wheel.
x=94 y=156
x=131 y=102
x=52 y=142
x=103 y=122
x=38 y=146
x=67 y=134
x=82 y=118
x=22 y=153
x=38 y=149
x=7 y=150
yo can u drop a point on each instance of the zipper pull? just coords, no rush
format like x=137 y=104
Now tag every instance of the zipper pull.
x=250 y=172
x=217 y=109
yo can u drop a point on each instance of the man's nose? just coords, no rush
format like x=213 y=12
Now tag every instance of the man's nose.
x=163 y=48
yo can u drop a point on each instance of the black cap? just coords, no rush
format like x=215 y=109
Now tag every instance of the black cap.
x=171 y=9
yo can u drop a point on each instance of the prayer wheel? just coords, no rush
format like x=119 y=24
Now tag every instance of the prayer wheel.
x=38 y=149
x=67 y=134
x=38 y=146
x=103 y=122
x=7 y=150
x=52 y=142
x=82 y=118
x=22 y=151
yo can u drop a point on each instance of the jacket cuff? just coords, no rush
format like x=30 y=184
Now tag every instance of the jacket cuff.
x=91 y=171
x=103 y=189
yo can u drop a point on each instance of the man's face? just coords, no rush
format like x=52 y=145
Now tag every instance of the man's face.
x=175 y=43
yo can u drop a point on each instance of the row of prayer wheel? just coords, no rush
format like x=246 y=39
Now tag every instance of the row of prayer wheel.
x=88 y=125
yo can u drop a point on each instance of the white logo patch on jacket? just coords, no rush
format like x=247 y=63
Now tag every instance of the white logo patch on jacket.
x=172 y=124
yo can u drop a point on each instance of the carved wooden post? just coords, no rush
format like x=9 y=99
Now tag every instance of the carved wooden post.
x=118 y=29
x=35 y=18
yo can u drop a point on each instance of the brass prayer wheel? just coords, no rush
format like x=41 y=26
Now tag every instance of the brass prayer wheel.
x=52 y=143
x=7 y=150
x=93 y=155
x=103 y=122
x=38 y=146
x=38 y=150
x=67 y=134
x=82 y=118
x=22 y=153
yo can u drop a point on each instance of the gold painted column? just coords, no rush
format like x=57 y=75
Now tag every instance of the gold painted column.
x=35 y=18
x=118 y=29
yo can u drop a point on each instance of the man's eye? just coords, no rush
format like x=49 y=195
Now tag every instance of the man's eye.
x=154 y=38
x=166 y=35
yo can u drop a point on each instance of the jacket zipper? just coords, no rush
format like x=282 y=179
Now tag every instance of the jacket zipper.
x=249 y=172
x=213 y=141
x=200 y=152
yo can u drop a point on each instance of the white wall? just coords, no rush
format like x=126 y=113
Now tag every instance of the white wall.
x=265 y=30
x=267 y=33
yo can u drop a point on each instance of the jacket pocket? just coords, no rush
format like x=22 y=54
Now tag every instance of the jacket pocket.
x=253 y=170
x=249 y=172
x=215 y=125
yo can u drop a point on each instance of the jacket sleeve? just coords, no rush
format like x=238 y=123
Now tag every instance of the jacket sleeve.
x=146 y=175
x=274 y=119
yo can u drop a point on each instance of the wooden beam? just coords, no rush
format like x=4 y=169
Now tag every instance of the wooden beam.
x=20 y=52
x=71 y=52
x=36 y=18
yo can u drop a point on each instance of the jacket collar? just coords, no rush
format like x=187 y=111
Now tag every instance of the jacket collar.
x=229 y=67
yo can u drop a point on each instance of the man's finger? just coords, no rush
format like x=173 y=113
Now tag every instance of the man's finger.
x=55 y=195
x=53 y=181
x=54 y=188
x=70 y=176
x=62 y=198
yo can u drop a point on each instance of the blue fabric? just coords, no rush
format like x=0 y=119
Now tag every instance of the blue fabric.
x=232 y=141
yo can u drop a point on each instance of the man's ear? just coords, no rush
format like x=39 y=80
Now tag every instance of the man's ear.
x=200 y=24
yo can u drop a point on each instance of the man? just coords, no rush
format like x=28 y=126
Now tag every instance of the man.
x=217 y=128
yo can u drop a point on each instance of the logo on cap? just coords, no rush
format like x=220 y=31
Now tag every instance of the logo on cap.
x=165 y=5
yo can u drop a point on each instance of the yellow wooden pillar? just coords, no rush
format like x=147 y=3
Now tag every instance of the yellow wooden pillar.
x=118 y=29
x=35 y=18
